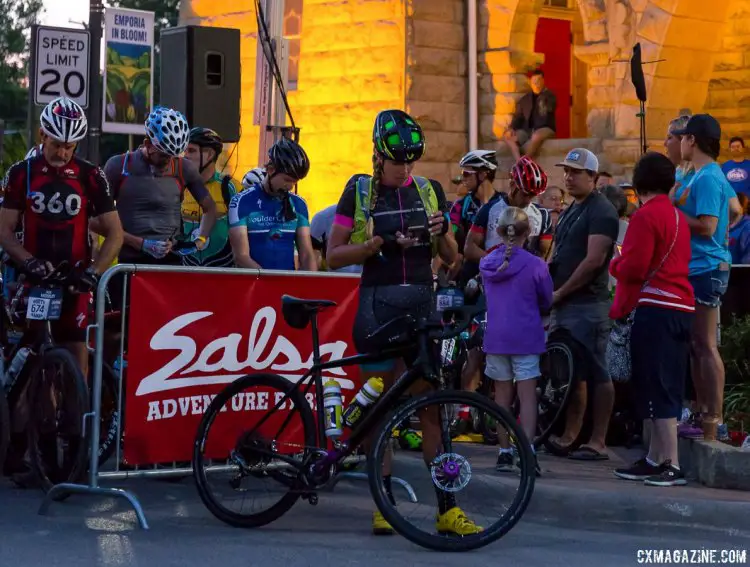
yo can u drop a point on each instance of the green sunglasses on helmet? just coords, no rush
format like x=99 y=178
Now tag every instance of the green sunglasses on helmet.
x=398 y=137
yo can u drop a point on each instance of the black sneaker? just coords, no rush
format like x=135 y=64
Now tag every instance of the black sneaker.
x=505 y=462
x=669 y=476
x=640 y=470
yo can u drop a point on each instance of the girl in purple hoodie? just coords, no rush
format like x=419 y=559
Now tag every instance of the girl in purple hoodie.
x=518 y=288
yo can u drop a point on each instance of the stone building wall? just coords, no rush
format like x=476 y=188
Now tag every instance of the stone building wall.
x=352 y=63
x=436 y=85
x=729 y=86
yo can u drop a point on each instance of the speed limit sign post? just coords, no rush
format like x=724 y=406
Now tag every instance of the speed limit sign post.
x=61 y=65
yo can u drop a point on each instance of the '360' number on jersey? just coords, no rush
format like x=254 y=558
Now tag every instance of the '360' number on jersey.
x=56 y=204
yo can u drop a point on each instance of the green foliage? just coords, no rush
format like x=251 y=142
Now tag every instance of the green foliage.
x=18 y=17
x=735 y=351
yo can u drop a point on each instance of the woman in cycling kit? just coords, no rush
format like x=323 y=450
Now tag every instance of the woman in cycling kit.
x=393 y=223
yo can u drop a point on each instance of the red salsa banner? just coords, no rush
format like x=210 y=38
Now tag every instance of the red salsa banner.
x=191 y=334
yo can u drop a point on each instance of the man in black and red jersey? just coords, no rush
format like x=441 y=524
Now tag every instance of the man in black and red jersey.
x=54 y=196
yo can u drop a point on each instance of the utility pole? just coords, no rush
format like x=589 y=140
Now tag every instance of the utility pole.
x=96 y=17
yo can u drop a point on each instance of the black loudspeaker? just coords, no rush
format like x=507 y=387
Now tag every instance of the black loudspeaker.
x=636 y=73
x=201 y=77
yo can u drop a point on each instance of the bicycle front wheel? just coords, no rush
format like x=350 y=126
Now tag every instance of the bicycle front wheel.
x=59 y=400
x=239 y=462
x=462 y=501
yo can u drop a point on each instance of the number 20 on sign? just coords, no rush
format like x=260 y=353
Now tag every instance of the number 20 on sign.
x=62 y=65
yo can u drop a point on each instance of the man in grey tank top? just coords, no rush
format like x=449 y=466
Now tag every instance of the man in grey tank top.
x=148 y=185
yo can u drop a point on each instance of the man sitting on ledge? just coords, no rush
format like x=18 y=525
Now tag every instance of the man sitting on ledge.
x=534 y=119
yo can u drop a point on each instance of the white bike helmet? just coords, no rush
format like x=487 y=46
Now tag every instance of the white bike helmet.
x=480 y=159
x=168 y=131
x=33 y=152
x=253 y=177
x=64 y=120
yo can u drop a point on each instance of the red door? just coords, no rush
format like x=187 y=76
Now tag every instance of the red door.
x=553 y=38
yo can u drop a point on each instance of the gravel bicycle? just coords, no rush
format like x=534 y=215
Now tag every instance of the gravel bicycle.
x=46 y=391
x=285 y=441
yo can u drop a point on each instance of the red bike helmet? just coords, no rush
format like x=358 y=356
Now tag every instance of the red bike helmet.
x=528 y=176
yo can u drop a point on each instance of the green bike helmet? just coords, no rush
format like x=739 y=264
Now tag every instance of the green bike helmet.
x=397 y=136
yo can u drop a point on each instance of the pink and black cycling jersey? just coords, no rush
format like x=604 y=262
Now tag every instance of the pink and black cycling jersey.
x=396 y=209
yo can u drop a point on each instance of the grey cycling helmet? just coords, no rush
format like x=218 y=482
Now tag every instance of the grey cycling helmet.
x=480 y=159
x=253 y=177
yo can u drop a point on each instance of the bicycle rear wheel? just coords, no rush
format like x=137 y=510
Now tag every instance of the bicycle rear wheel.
x=109 y=421
x=59 y=400
x=456 y=471
x=255 y=453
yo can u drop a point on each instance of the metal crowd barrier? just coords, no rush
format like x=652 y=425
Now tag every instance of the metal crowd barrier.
x=92 y=488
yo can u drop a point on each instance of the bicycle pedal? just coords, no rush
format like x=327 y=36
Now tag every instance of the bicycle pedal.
x=312 y=498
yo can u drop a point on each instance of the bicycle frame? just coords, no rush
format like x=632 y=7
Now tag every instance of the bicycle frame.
x=423 y=367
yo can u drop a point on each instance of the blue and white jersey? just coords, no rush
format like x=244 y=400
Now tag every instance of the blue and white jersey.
x=271 y=237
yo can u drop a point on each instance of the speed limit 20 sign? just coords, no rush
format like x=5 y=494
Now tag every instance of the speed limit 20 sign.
x=61 y=65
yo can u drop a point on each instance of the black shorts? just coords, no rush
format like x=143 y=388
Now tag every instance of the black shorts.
x=381 y=304
x=660 y=351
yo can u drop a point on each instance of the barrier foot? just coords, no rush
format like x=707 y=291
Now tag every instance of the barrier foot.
x=60 y=491
x=362 y=476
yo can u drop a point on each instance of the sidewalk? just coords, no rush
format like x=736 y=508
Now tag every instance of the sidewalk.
x=587 y=493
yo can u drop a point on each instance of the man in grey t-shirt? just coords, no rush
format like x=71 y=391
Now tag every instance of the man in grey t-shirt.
x=320 y=228
x=583 y=245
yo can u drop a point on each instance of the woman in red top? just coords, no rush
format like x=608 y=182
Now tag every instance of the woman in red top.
x=652 y=278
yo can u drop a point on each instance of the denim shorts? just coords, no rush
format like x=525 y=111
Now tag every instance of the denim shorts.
x=506 y=367
x=709 y=287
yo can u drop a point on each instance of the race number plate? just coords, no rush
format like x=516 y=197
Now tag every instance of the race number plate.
x=449 y=298
x=44 y=304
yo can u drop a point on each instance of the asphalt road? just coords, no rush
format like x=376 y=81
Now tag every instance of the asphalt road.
x=94 y=531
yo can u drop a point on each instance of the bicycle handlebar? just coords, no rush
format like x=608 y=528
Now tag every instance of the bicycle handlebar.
x=63 y=273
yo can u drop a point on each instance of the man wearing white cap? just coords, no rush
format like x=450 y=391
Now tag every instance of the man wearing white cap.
x=583 y=246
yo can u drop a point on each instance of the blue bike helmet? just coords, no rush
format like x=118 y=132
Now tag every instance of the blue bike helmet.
x=168 y=131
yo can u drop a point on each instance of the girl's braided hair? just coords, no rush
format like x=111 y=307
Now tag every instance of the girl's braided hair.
x=512 y=226
x=377 y=174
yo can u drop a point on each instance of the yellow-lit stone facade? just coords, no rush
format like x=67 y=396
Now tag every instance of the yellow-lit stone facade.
x=357 y=57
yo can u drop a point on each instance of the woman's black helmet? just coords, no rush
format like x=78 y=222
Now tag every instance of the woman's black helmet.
x=206 y=138
x=288 y=157
x=397 y=136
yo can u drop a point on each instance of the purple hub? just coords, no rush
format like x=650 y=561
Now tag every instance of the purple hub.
x=451 y=469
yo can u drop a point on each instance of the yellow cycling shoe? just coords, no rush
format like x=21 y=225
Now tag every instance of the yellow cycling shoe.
x=455 y=522
x=379 y=525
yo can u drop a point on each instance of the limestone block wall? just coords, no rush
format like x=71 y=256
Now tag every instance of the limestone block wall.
x=238 y=14
x=352 y=61
x=436 y=85
x=729 y=86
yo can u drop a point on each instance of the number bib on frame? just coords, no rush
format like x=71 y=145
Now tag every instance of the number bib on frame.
x=44 y=304
x=449 y=298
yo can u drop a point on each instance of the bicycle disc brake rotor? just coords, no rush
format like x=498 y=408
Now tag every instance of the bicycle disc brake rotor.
x=451 y=472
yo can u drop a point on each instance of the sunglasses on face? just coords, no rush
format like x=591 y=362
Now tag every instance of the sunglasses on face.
x=69 y=113
x=466 y=173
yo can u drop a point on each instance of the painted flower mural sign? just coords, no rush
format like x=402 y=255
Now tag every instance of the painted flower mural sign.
x=128 y=75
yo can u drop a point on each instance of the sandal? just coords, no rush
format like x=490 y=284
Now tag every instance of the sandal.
x=588 y=454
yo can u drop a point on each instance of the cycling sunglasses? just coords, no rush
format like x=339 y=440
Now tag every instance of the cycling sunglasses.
x=69 y=113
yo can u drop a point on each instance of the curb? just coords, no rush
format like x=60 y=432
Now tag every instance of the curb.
x=592 y=509
x=716 y=464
